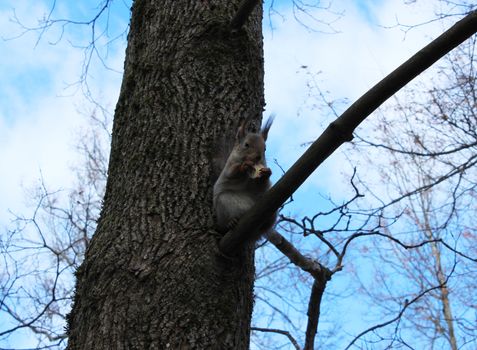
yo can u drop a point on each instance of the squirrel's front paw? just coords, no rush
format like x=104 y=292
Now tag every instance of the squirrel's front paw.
x=264 y=173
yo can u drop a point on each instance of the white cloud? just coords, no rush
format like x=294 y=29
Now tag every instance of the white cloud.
x=39 y=113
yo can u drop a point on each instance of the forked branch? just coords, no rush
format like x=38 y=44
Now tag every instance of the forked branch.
x=311 y=266
x=320 y=274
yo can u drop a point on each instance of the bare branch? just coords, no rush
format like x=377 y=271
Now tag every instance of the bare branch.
x=311 y=266
x=321 y=275
x=279 y=331
x=41 y=254
x=407 y=303
x=342 y=128
x=313 y=313
x=429 y=154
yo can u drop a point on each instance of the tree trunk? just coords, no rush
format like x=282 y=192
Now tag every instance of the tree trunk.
x=152 y=277
x=441 y=277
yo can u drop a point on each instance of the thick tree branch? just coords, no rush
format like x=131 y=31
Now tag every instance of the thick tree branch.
x=244 y=11
x=320 y=274
x=306 y=264
x=342 y=128
x=313 y=313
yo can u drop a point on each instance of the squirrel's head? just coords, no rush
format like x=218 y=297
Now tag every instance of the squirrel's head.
x=250 y=145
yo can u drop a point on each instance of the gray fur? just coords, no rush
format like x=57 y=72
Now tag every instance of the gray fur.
x=238 y=186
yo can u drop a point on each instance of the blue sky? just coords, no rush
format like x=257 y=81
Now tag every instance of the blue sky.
x=41 y=108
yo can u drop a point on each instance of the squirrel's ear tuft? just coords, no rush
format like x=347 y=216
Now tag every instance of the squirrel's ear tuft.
x=266 y=126
x=241 y=132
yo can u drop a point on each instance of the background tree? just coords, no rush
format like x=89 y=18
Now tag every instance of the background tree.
x=428 y=137
x=42 y=252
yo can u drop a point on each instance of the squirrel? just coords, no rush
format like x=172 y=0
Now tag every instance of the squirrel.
x=244 y=178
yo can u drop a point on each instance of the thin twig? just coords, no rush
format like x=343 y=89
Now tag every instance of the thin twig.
x=279 y=331
x=407 y=303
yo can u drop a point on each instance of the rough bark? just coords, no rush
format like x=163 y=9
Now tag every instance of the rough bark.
x=152 y=277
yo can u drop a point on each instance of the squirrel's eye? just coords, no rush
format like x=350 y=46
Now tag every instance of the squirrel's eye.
x=246 y=144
